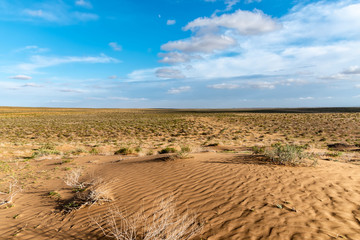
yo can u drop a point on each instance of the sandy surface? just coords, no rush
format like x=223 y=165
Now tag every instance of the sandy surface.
x=235 y=196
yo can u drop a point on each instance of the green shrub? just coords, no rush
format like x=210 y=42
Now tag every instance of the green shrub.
x=45 y=150
x=124 y=151
x=54 y=194
x=184 y=152
x=94 y=151
x=78 y=151
x=167 y=150
x=258 y=150
x=334 y=154
x=286 y=154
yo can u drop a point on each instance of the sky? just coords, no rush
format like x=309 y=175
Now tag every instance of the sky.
x=180 y=53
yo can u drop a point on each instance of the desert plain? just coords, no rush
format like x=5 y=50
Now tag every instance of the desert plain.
x=179 y=174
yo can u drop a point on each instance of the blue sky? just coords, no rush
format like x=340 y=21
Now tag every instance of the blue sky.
x=179 y=53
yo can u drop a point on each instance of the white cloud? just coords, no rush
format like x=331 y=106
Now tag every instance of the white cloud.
x=169 y=73
x=206 y=44
x=262 y=85
x=37 y=61
x=141 y=75
x=255 y=84
x=244 y=22
x=306 y=98
x=21 y=77
x=174 y=57
x=352 y=70
x=68 y=90
x=252 y=1
x=32 y=48
x=48 y=16
x=56 y=12
x=31 y=85
x=170 y=22
x=305 y=47
x=179 y=90
x=209 y=36
x=115 y=46
x=357 y=86
x=230 y=3
x=224 y=86
x=338 y=76
x=83 y=3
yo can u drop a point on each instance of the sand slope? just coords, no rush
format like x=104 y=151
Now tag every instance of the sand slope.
x=234 y=195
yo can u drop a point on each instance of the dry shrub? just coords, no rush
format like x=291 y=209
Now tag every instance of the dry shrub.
x=86 y=193
x=163 y=224
x=99 y=192
x=72 y=179
x=13 y=190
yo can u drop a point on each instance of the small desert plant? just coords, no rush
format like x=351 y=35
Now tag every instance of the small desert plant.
x=138 y=149
x=167 y=150
x=258 y=150
x=163 y=224
x=334 y=154
x=45 y=150
x=54 y=194
x=286 y=154
x=78 y=151
x=124 y=151
x=184 y=152
x=94 y=151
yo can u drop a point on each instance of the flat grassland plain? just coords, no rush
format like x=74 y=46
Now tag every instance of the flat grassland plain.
x=179 y=174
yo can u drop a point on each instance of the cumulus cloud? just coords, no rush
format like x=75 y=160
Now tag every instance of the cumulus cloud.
x=169 y=73
x=312 y=36
x=170 y=22
x=244 y=22
x=179 y=90
x=115 y=46
x=174 y=57
x=21 y=77
x=206 y=44
x=352 y=70
x=211 y=37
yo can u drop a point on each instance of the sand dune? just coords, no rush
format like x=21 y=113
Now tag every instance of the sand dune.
x=235 y=196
